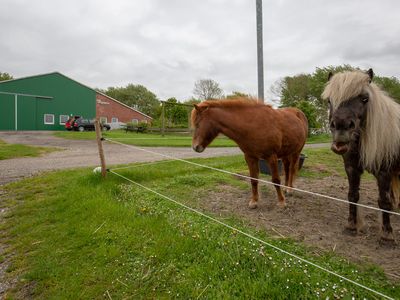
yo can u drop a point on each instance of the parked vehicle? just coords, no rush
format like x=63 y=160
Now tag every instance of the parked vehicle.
x=82 y=124
x=69 y=125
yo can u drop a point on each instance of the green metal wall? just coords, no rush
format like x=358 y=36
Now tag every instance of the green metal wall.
x=68 y=98
x=7 y=112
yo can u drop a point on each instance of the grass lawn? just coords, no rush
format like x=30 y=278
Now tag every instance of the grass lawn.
x=170 y=140
x=17 y=150
x=320 y=138
x=82 y=237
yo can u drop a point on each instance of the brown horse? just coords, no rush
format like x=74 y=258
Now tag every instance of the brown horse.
x=260 y=131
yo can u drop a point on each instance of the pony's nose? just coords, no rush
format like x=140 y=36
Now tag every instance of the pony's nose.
x=198 y=148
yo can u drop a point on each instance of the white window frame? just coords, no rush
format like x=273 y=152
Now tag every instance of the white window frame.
x=135 y=121
x=114 y=120
x=63 y=123
x=48 y=123
x=103 y=120
x=144 y=121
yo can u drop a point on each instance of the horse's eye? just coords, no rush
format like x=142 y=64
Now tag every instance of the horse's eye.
x=365 y=99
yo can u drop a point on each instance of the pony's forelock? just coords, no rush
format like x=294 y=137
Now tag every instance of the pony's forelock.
x=380 y=140
x=344 y=86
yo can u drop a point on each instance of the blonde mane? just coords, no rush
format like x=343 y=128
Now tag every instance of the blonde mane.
x=380 y=140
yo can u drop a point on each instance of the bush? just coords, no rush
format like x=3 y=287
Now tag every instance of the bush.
x=144 y=125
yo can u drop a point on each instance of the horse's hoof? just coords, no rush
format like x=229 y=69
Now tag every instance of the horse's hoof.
x=282 y=204
x=387 y=239
x=252 y=204
x=350 y=230
x=288 y=192
x=387 y=243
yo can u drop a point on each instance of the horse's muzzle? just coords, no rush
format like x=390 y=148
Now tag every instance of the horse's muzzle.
x=340 y=148
x=198 y=148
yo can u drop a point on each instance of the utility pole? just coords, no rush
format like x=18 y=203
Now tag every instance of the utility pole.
x=260 y=62
x=162 y=118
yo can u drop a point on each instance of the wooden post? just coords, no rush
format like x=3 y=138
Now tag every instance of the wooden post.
x=162 y=118
x=100 y=146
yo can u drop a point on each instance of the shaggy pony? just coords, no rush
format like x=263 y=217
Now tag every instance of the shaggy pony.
x=380 y=140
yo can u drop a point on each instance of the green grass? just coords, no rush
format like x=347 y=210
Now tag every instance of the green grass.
x=321 y=163
x=156 y=140
x=320 y=138
x=8 y=151
x=82 y=237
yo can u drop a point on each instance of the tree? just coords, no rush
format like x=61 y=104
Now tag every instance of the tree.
x=292 y=90
x=5 y=76
x=300 y=89
x=175 y=113
x=237 y=94
x=136 y=96
x=206 y=89
x=192 y=101
x=390 y=85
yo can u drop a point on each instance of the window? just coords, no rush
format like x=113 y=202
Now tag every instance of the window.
x=144 y=121
x=63 y=119
x=103 y=120
x=114 y=120
x=135 y=121
x=49 y=119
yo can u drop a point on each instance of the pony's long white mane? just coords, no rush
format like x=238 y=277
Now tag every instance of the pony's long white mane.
x=380 y=140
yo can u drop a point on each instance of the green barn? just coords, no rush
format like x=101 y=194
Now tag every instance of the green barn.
x=44 y=102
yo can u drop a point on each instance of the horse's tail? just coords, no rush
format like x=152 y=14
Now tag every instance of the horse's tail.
x=395 y=190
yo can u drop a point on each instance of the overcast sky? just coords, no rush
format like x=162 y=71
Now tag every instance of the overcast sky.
x=166 y=45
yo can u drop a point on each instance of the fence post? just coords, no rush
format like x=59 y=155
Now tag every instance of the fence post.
x=100 y=146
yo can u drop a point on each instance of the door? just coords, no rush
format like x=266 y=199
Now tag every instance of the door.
x=27 y=115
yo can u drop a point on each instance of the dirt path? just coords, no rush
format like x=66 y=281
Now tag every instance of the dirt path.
x=314 y=220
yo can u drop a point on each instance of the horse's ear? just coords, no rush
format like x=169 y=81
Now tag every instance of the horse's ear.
x=370 y=73
x=330 y=75
x=200 y=108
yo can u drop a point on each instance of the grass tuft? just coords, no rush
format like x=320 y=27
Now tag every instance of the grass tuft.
x=8 y=151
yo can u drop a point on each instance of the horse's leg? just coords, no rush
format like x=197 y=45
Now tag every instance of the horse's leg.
x=252 y=163
x=294 y=166
x=354 y=173
x=384 y=202
x=286 y=165
x=273 y=165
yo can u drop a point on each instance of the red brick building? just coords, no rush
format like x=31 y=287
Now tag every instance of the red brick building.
x=113 y=112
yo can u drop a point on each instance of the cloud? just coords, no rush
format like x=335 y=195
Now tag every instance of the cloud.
x=168 y=45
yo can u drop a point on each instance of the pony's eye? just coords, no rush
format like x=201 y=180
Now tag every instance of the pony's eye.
x=365 y=99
